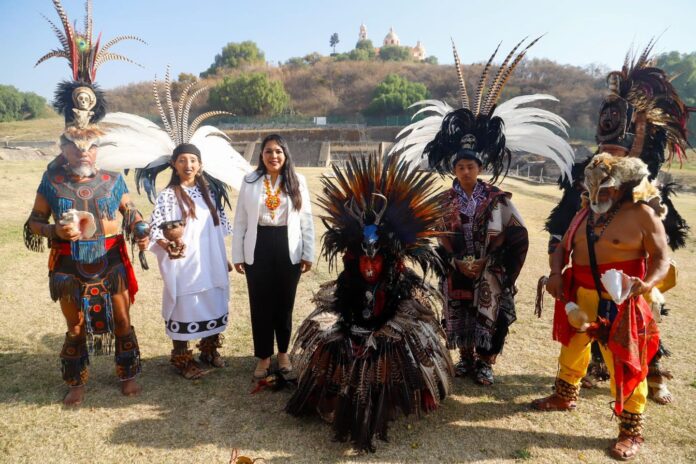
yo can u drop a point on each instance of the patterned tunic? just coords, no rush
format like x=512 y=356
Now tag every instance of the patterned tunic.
x=196 y=287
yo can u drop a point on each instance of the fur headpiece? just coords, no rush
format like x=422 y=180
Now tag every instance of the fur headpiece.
x=606 y=171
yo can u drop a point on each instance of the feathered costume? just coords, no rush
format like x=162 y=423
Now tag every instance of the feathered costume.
x=90 y=270
x=642 y=116
x=484 y=225
x=373 y=347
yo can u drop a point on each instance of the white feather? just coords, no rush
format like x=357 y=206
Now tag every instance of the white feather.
x=219 y=159
x=135 y=142
x=131 y=142
x=530 y=130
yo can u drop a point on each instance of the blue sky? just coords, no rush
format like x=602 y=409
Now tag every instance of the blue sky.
x=188 y=34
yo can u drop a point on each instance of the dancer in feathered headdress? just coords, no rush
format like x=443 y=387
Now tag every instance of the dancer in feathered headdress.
x=189 y=223
x=373 y=346
x=488 y=243
x=89 y=269
x=642 y=116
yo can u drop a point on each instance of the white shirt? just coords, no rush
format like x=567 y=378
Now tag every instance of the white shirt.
x=246 y=220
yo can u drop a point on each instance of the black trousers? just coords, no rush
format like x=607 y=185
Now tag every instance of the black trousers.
x=272 y=283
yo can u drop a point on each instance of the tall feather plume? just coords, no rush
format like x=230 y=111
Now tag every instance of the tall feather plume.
x=504 y=75
x=482 y=82
x=61 y=36
x=182 y=101
x=197 y=122
x=463 y=95
x=83 y=63
x=160 y=108
x=116 y=40
x=104 y=57
x=88 y=21
x=170 y=107
x=187 y=112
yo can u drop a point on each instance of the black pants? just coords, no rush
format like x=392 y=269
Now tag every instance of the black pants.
x=272 y=283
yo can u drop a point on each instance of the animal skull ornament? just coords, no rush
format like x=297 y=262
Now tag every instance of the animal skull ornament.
x=84 y=98
x=469 y=141
x=370 y=232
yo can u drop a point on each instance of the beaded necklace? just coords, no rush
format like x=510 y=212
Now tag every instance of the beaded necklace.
x=272 y=198
x=602 y=221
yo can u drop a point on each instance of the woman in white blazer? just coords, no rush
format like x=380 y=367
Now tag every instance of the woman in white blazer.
x=272 y=244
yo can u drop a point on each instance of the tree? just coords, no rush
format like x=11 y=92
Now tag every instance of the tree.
x=187 y=78
x=333 y=41
x=364 y=48
x=682 y=67
x=394 y=53
x=249 y=95
x=236 y=55
x=10 y=103
x=432 y=59
x=395 y=94
x=16 y=105
x=33 y=106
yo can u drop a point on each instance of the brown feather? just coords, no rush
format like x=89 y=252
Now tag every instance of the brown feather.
x=482 y=82
x=463 y=96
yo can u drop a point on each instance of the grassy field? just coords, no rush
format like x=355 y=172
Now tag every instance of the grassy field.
x=201 y=421
x=35 y=129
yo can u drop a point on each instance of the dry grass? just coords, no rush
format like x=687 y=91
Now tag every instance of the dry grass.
x=34 y=129
x=179 y=421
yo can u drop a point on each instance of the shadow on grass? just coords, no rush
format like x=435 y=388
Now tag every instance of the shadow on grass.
x=220 y=411
x=511 y=387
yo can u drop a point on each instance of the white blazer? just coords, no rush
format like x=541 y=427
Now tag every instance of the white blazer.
x=246 y=219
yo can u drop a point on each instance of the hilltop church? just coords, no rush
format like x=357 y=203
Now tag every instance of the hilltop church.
x=417 y=52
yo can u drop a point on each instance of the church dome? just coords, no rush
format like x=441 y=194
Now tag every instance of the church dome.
x=391 y=38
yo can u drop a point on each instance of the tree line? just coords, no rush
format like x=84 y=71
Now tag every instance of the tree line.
x=363 y=82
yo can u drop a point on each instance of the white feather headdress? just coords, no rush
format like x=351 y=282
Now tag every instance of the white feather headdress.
x=491 y=131
x=133 y=142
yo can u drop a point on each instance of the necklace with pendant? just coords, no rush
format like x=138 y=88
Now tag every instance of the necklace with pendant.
x=272 y=198
x=603 y=221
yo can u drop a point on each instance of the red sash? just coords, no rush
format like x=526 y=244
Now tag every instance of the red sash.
x=633 y=337
x=63 y=249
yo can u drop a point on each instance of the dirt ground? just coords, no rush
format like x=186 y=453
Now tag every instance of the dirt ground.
x=174 y=420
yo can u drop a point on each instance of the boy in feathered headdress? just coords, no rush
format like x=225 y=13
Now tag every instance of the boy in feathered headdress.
x=486 y=242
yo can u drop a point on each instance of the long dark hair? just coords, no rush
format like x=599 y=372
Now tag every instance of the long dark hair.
x=291 y=184
x=186 y=204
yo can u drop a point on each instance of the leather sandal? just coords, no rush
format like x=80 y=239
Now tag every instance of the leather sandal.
x=186 y=365
x=484 y=373
x=554 y=402
x=626 y=447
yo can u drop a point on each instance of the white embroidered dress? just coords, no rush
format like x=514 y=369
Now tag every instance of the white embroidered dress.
x=196 y=287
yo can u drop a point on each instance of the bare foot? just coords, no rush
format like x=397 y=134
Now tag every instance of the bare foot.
x=284 y=361
x=130 y=387
x=74 y=396
x=659 y=393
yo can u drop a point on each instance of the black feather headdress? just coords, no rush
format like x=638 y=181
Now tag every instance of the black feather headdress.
x=484 y=130
x=643 y=114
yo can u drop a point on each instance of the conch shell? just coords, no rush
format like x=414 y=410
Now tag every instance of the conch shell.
x=80 y=220
x=617 y=285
